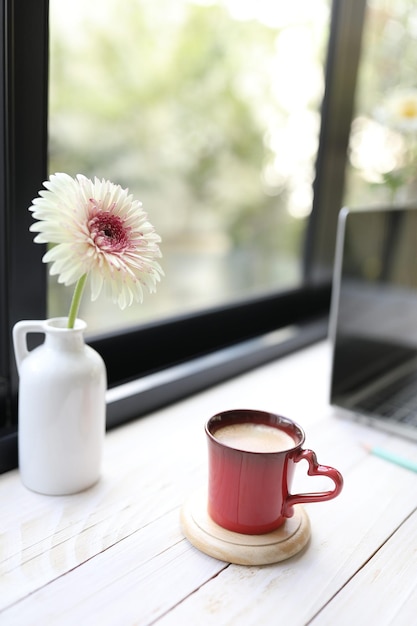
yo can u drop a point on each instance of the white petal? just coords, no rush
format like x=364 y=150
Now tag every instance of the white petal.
x=96 y=284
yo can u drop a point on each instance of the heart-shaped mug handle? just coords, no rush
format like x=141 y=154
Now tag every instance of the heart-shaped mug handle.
x=314 y=469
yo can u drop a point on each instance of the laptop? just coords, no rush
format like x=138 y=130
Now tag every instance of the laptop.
x=373 y=318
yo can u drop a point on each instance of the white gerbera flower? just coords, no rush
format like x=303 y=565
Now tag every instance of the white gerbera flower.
x=100 y=232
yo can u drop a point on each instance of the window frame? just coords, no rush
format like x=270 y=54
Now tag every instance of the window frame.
x=156 y=364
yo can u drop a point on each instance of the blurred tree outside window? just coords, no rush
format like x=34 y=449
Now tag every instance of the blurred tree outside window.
x=382 y=165
x=209 y=112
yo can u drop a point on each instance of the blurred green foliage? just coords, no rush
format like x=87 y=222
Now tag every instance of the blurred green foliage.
x=174 y=101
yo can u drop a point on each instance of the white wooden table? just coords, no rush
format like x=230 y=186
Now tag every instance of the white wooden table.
x=115 y=554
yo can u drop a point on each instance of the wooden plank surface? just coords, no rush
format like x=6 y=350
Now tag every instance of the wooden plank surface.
x=384 y=591
x=115 y=554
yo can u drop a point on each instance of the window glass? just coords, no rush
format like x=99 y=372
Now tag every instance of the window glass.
x=382 y=165
x=209 y=112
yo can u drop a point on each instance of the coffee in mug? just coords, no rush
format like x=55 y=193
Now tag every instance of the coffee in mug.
x=254 y=437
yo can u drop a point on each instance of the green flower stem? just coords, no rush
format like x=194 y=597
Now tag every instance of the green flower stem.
x=76 y=299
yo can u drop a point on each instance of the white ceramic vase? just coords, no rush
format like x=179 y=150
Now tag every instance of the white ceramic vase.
x=62 y=385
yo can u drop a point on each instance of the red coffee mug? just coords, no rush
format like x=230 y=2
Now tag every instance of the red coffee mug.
x=249 y=491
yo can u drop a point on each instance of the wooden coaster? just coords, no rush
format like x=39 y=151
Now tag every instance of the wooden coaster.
x=225 y=545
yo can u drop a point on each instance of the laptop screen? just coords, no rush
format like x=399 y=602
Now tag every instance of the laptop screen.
x=373 y=322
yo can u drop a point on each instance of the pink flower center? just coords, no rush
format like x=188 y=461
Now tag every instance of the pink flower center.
x=108 y=231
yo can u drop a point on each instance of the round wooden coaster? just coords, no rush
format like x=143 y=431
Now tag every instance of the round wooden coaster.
x=212 y=539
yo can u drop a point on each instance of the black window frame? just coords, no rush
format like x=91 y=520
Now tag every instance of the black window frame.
x=174 y=358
